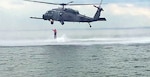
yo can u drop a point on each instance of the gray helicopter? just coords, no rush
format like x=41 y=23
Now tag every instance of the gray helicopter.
x=69 y=15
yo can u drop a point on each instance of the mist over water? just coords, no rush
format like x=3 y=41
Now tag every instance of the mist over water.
x=75 y=37
x=75 y=53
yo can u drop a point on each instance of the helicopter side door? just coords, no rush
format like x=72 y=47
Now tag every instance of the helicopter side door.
x=65 y=16
x=56 y=15
x=70 y=17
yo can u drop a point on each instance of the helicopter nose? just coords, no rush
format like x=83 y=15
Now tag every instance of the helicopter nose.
x=44 y=17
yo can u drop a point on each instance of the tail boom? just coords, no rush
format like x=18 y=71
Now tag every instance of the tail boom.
x=102 y=19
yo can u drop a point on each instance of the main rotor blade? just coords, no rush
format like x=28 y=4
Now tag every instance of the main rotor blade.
x=83 y=4
x=101 y=3
x=63 y=4
x=70 y=2
x=42 y=2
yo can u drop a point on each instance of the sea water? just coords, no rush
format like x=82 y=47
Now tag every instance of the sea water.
x=76 y=61
x=97 y=53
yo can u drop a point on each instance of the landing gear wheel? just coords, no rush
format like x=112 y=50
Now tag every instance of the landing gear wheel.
x=52 y=21
x=90 y=25
x=62 y=23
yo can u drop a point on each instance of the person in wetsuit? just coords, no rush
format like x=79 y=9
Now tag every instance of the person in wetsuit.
x=55 y=33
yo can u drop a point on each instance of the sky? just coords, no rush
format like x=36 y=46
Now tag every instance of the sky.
x=14 y=14
x=15 y=23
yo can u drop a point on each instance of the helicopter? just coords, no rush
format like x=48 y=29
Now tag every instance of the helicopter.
x=69 y=15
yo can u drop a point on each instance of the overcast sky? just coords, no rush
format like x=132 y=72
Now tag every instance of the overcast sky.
x=14 y=14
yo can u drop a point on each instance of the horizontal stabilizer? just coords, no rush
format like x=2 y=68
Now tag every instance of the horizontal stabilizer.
x=36 y=18
x=102 y=19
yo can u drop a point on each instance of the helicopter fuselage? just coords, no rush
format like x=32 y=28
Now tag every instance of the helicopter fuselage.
x=66 y=14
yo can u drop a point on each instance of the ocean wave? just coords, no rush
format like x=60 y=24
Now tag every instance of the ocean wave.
x=78 y=41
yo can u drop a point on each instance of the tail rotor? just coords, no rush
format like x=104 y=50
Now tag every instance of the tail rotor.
x=99 y=9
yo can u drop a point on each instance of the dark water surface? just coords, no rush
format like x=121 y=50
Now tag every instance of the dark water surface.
x=76 y=61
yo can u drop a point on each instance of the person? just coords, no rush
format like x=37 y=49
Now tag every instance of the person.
x=55 y=33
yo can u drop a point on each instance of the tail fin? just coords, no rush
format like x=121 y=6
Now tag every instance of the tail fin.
x=98 y=13
x=99 y=9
